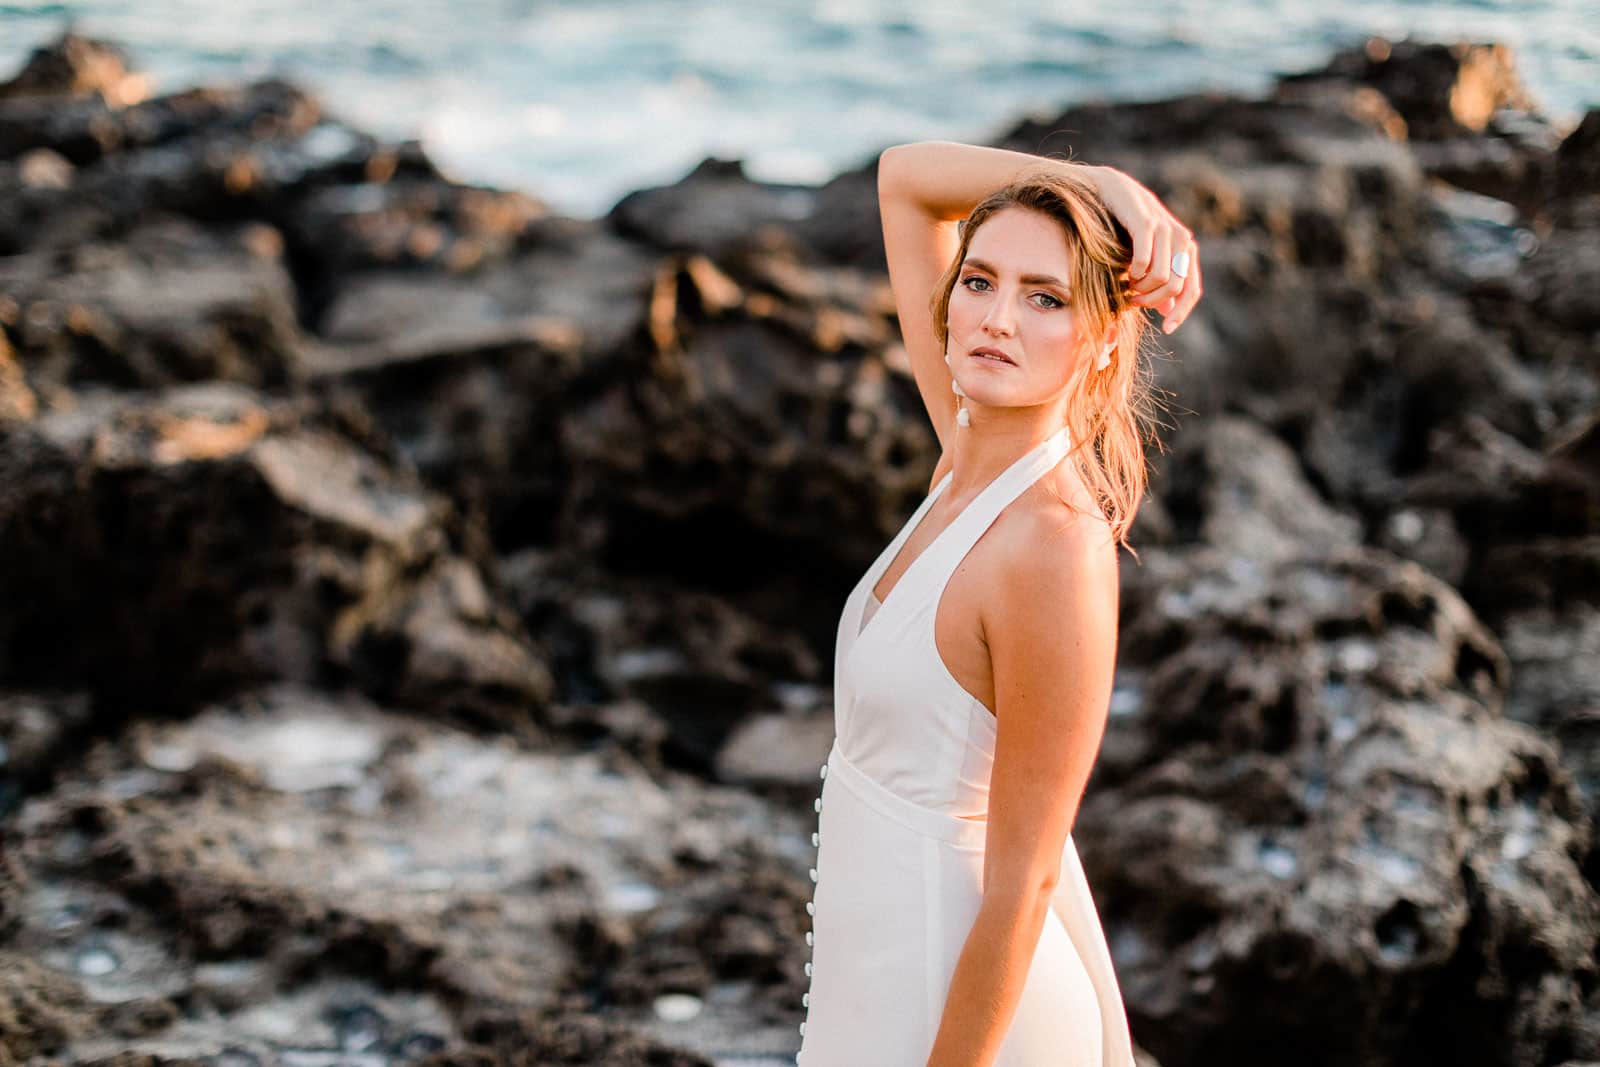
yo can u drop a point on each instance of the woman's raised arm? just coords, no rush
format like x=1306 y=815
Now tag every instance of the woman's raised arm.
x=925 y=189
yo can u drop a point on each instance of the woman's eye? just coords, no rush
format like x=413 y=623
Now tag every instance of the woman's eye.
x=974 y=280
x=1049 y=302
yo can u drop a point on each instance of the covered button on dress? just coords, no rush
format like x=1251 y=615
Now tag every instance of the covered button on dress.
x=901 y=830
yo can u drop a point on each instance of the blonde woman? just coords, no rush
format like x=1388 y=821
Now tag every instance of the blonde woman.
x=952 y=924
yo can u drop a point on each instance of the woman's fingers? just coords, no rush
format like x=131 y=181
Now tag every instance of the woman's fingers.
x=1156 y=235
x=1189 y=297
x=1175 y=283
x=1161 y=266
x=1147 y=289
x=1142 y=233
x=1140 y=213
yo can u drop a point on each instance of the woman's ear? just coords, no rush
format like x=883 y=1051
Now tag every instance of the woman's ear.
x=1108 y=344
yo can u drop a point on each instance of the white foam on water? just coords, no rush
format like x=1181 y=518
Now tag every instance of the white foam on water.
x=579 y=103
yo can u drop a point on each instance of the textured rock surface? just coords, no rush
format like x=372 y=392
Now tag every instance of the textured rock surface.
x=166 y=303
x=289 y=876
x=1312 y=795
x=162 y=550
x=416 y=610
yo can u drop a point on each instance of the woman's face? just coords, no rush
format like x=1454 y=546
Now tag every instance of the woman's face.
x=1013 y=297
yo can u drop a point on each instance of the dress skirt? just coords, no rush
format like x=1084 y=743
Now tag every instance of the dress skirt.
x=898 y=888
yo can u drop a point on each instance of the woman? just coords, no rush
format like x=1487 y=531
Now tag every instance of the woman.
x=953 y=926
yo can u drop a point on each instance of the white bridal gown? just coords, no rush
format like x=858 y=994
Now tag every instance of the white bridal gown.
x=900 y=840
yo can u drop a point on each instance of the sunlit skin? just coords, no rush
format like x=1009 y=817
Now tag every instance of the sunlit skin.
x=1014 y=295
x=1028 y=621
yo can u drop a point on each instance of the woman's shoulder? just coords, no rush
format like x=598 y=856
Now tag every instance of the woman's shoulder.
x=1053 y=570
x=1058 y=541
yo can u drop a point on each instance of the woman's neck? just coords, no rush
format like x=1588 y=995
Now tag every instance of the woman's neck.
x=997 y=438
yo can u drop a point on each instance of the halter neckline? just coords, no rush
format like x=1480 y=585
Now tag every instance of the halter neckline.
x=1043 y=456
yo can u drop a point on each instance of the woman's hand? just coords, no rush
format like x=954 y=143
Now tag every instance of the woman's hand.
x=1158 y=236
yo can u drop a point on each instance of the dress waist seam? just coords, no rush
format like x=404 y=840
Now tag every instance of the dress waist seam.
x=967 y=834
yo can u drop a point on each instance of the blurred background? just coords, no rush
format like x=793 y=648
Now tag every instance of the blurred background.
x=581 y=103
x=436 y=442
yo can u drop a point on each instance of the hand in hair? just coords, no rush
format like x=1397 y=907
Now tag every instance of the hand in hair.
x=1157 y=236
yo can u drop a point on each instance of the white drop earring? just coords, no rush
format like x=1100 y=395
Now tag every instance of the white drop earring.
x=963 y=417
x=1105 y=358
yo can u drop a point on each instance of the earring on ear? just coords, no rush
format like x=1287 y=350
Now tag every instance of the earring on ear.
x=1105 y=358
x=963 y=417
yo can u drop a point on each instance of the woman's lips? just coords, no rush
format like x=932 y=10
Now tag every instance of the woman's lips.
x=989 y=355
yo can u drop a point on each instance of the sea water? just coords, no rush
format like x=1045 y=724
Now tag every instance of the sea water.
x=580 y=102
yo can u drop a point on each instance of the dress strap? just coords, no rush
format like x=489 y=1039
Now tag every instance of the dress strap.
x=943 y=556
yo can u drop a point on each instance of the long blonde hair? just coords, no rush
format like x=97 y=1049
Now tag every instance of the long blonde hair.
x=1115 y=409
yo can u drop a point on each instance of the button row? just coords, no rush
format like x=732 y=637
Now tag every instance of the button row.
x=811 y=907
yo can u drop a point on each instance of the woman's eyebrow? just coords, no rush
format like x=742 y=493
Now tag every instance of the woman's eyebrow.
x=1027 y=279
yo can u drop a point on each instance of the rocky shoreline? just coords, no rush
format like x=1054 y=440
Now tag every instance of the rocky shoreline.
x=394 y=668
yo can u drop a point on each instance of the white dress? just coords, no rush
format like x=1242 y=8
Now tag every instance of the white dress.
x=900 y=840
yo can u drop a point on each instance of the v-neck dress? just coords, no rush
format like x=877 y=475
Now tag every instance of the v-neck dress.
x=901 y=829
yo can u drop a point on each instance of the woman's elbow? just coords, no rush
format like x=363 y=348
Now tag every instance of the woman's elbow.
x=891 y=168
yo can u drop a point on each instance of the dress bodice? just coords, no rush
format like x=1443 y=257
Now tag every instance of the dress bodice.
x=900 y=716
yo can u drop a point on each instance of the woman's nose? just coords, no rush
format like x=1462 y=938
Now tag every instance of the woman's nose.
x=997 y=319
